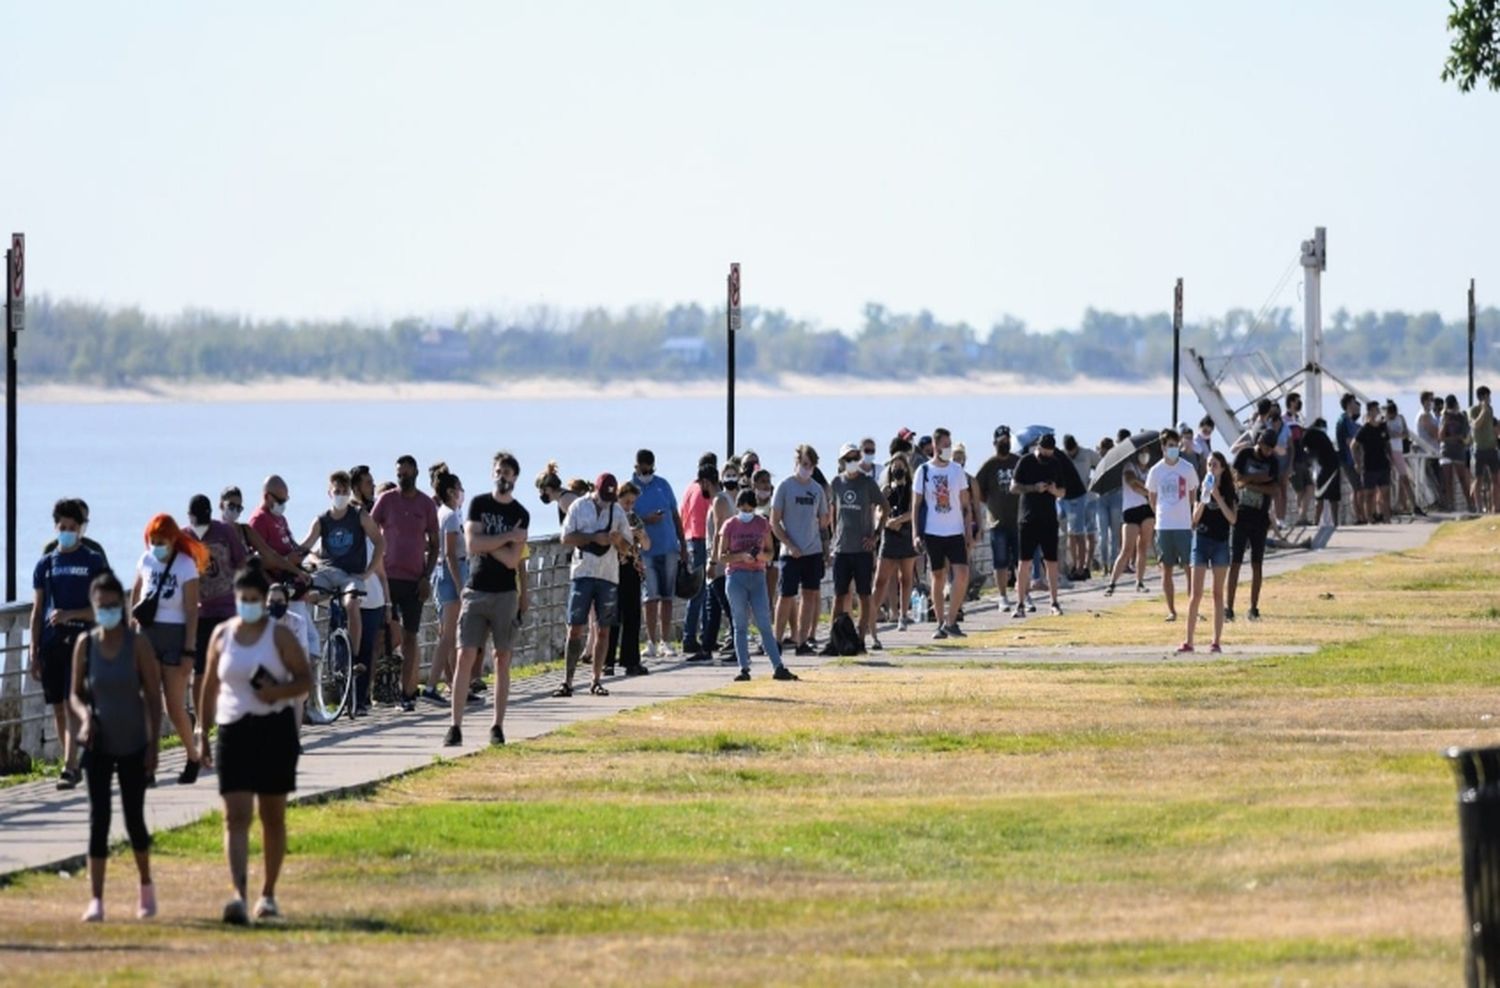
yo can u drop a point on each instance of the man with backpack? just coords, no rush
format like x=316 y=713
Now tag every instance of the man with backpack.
x=859 y=514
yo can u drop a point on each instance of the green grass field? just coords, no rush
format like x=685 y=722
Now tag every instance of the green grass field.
x=1284 y=820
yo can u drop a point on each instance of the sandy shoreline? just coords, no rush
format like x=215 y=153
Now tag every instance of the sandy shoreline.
x=288 y=390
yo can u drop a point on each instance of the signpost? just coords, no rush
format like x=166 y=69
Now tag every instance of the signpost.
x=732 y=319
x=1176 y=347
x=1471 y=342
x=15 y=321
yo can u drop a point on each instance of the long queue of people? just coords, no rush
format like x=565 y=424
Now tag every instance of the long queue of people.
x=214 y=628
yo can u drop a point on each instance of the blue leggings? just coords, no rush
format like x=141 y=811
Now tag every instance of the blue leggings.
x=747 y=593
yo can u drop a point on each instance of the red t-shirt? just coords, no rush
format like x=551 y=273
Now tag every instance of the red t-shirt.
x=745 y=536
x=276 y=532
x=695 y=512
x=405 y=523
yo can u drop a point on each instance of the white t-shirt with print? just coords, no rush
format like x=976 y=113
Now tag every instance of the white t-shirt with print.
x=169 y=609
x=1173 y=484
x=588 y=518
x=941 y=487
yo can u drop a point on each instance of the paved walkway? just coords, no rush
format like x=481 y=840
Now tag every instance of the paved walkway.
x=43 y=828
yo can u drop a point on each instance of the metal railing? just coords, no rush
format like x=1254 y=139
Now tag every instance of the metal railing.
x=25 y=720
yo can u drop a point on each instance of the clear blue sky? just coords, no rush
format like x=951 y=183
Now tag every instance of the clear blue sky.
x=977 y=159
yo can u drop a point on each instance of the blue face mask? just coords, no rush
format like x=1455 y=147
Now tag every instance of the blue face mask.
x=109 y=618
x=250 y=611
x=747 y=516
x=1172 y=453
x=67 y=540
x=161 y=552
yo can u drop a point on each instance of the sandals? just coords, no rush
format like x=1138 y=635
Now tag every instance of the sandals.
x=597 y=689
x=564 y=690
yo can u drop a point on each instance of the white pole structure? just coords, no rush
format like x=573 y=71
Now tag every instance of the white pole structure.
x=1314 y=263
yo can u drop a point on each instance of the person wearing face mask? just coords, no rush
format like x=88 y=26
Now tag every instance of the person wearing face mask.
x=256 y=669
x=625 y=633
x=1138 y=521
x=898 y=553
x=1039 y=481
x=408 y=519
x=277 y=550
x=867 y=453
x=447 y=580
x=859 y=516
x=716 y=605
x=1213 y=518
x=1256 y=479
x=226 y=554
x=741 y=547
x=1083 y=518
x=945 y=517
x=599 y=532
x=337 y=541
x=697 y=502
x=1429 y=433
x=657 y=507
x=1003 y=507
x=1171 y=486
x=115 y=683
x=60 y=613
x=83 y=538
x=763 y=484
x=168 y=571
x=799 y=511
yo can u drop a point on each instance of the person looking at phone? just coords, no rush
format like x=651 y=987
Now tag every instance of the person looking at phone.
x=657 y=506
x=743 y=547
x=599 y=530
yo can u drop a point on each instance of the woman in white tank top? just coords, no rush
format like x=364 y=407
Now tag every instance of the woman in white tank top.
x=254 y=673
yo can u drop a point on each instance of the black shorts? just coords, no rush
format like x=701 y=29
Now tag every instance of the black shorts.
x=259 y=754
x=1039 y=535
x=406 y=603
x=1250 y=529
x=1487 y=459
x=801 y=573
x=1135 y=515
x=1375 y=479
x=858 y=567
x=57 y=666
x=945 y=549
x=1356 y=482
x=206 y=628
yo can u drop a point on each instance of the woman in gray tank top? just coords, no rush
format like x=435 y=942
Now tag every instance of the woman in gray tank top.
x=114 y=674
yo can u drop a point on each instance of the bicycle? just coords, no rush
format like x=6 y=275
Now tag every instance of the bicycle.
x=336 y=671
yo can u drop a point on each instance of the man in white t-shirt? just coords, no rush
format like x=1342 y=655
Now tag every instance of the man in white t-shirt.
x=598 y=530
x=1171 y=487
x=944 y=523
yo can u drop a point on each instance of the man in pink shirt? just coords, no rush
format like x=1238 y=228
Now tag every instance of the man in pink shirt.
x=408 y=520
x=696 y=503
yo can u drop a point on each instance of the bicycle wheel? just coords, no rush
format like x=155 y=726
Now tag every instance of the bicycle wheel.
x=334 y=683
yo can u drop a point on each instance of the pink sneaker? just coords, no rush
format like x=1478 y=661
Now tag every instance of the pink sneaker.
x=1184 y=647
x=1214 y=648
x=147 y=907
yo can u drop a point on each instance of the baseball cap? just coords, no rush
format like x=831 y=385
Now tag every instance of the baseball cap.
x=1267 y=437
x=905 y=435
x=607 y=487
x=924 y=440
x=1002 y=430
x=849 y=449
x=1049 y=441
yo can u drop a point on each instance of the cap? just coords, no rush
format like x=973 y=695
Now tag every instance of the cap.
x=850 y=449
x=606 y=487
x=1001 y=430
x=1048 y=441
x=924 y=440
x=1267 y=437
x=906 y=435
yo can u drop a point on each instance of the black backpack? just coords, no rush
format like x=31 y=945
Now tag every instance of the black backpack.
x=843 y=638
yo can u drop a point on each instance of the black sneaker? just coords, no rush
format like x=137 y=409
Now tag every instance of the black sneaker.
x=1019 y=612
x=408 y=704
x=1254 y=614
x=189 y=774
x=699 y=656
x=743 y=677
x=637 y=671
x=954 y=631
x=361 y=709
x=478 y=684
x=68 y=779
x=940 y=633
x=453 y=738
x=497 y=736
x=431 y=693
x=1056 y=609
x=609 y=670
x=784 y=674
x=806 y=648
x=1229 y=613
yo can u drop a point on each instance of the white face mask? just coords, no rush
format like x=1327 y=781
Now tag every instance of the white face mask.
x=278 y=509
x=851 y=469
x=805 y=473
x=340 y=501
x=1144 y=458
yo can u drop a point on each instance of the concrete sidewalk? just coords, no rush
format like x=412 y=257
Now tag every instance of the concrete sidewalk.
x=41 y=827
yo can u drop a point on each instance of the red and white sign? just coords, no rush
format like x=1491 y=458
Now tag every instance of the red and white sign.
x=16 y=281
x=734 y=298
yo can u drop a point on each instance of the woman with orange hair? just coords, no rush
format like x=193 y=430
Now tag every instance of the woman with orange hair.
x=168 y=574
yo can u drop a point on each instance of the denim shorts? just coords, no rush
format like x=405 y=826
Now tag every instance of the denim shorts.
x=1083 y=518
x=1005 y=547
x=1209 y=552
x=589 y=593
x=661 y=576
x=443 y=589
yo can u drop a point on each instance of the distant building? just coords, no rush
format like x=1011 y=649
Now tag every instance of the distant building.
x=685 y=351
x=440 y=353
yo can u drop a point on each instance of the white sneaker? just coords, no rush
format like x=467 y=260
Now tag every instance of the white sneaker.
x=667 y=651
x=266 y=908
x=651 y=650
x=95 y=912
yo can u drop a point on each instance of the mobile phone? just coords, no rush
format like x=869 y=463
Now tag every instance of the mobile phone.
x=261 y=677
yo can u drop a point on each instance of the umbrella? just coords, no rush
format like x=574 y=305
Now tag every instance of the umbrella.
x=1107 y=473
x=1317 y=446
x=1029 y=435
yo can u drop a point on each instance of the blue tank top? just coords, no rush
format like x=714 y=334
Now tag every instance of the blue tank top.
x=344 y=541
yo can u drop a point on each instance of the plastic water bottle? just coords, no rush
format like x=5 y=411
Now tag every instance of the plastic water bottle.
x=916 y=604
x=1208 y=488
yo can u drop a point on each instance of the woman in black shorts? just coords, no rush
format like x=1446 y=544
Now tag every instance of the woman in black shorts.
x=1138 y=519
x=898 y=556
x=255 y=671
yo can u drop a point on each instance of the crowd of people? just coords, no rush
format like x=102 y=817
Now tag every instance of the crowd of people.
x=215 y=630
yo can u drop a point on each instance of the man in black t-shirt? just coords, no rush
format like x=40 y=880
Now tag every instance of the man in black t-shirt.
x=1257 y=478
x=1372 y=448
x=1039 y=481
x=492 y=602
x=1004 y=508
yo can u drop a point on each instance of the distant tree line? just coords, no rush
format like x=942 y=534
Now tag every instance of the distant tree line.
x=76 y=342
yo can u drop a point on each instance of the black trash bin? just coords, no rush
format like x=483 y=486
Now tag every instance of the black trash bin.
x=1478 y=773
